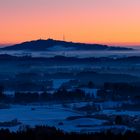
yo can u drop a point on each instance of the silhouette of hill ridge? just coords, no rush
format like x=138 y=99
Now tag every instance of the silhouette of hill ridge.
x=42 y=45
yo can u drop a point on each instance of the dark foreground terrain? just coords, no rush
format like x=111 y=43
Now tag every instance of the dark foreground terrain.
x=51 y=133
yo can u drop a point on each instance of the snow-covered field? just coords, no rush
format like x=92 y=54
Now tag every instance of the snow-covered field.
x=56 y=115
x=114 y=112
x=90 y=91
x=35 y=115
x=58 y=82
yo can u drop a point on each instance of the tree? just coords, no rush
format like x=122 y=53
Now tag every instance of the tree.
x=1 y=92
x=118 y=120
x=91 y=84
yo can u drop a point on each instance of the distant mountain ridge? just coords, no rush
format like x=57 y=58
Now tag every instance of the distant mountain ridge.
x=57 y=45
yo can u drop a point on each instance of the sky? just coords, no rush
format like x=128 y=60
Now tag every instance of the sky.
x=115 y=22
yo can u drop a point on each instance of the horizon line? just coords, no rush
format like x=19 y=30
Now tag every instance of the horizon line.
x=117 y=44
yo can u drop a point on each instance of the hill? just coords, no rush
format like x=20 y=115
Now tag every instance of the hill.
x=57 y=45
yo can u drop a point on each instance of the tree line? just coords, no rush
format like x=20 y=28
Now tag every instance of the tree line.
x=59 y=95
x=51 y=133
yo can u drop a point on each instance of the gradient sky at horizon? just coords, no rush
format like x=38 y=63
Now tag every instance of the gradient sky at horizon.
x=94 y=21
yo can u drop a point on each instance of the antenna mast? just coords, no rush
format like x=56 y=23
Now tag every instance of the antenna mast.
x=63 y=37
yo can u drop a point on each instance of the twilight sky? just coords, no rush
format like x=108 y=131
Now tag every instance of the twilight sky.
x=114 y=22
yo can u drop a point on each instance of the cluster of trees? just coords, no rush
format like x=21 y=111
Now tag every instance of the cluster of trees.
x=63 y=94
x=88 y=108
x=59 y=95
x=119 y=91
x=51 y=133
x=1 y=91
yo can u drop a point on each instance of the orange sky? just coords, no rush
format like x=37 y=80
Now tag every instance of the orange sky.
x=114 y=22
